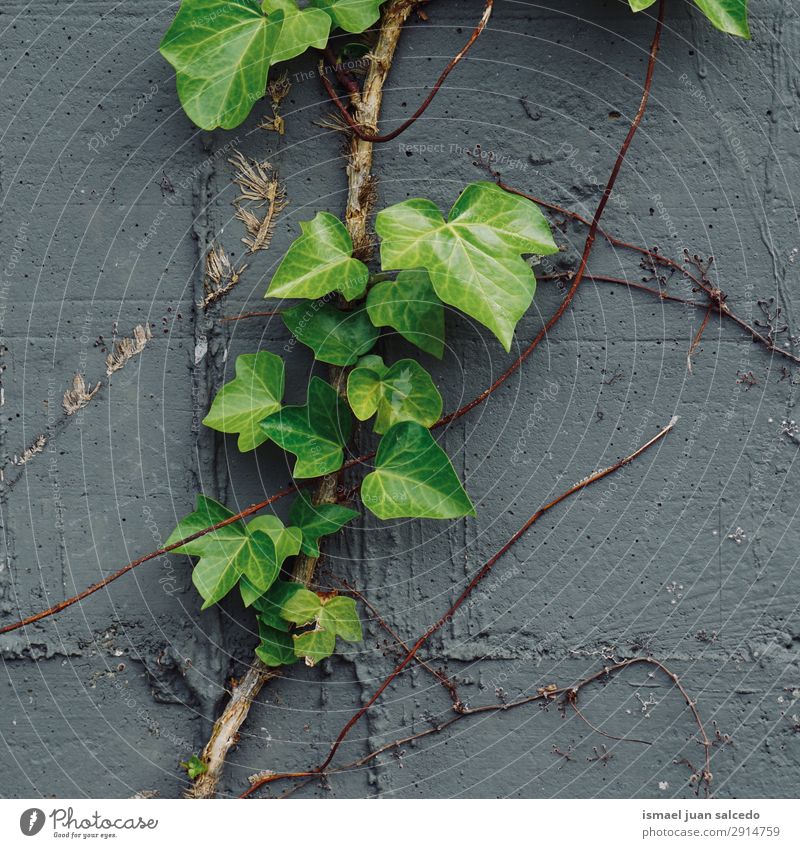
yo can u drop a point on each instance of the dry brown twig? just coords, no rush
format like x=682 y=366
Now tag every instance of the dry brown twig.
x=125 y=349
x=221 y=276
x=260 y=186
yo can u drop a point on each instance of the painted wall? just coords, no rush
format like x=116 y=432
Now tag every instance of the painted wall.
x=110 y=201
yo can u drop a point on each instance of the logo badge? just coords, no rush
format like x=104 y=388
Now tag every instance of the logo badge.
x=31 y=821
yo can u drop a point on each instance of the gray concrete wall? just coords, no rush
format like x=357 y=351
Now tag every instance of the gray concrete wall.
x=105 y=699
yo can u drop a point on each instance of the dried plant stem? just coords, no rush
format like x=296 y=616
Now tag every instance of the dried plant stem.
x=360 y=201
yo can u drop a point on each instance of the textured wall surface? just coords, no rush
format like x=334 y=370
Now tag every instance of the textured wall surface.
x=110 y=201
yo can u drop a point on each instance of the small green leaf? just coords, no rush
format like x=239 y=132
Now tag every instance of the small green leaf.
x=316 y=520
x=474 y=259
x=256 y=392
x=269 y=605
x=319 y=262
x=194 y=767
x=351 y=15
x=287 y=541
x=335 y=336
x=339 y=615
x=315 y=433
x=315 y=645
x=276 y=647
x=728 y=15
x=403 y=392
x=409 y=305
x=413 y=478
x=303 y=606
x=226 y=554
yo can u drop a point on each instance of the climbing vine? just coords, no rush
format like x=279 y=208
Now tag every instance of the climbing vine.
x=475 y=259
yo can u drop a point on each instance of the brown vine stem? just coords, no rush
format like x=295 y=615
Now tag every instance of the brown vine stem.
x=546 y=695
x=371 y=137
x=360 y=201
x=254 y=508
x=478 y=577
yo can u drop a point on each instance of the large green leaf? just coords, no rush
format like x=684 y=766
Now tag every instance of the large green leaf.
x=320 y=261
x=222 y=51
x=351 y=15
x=303 y=606
x=474 y=259
x=409 y=305
x=315 y=433
x=226 y=554
x=727 y=15
x=242 y=404
x=316 y=520
x=335 y=336
x=403 y=392
x=413 y=478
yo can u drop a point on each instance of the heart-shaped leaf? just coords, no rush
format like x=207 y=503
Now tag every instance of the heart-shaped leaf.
x=413 y=478
x=316 y=520
x=335 y=336
x=409 y=305
x=351 y=15
x=320 y=261
x=403 y=392
x=474 y=259
x=299 y=29
x=315 y=433
x=241 y=405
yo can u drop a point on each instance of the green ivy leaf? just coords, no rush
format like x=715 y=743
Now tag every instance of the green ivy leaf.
x=320 y=261
x=413 y=478
x=269 y=605
x=335 y=336
x=287 y=541
x=315 y=433
x=276 y=647
x=403 y=392
x=241 y=405
x=194 y=767
x=351 y=15
x=728 y=15
x=474 y=258
x=303 y=606
x=299 y=29
x=226 y=554
x=339 y=615
x=316 y=520
x=315 y=645
x=222 y=51
x=409 y=305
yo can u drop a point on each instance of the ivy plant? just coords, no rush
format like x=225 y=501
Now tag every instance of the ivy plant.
x=471 y=260
x=728 y=15
x=222 y=50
